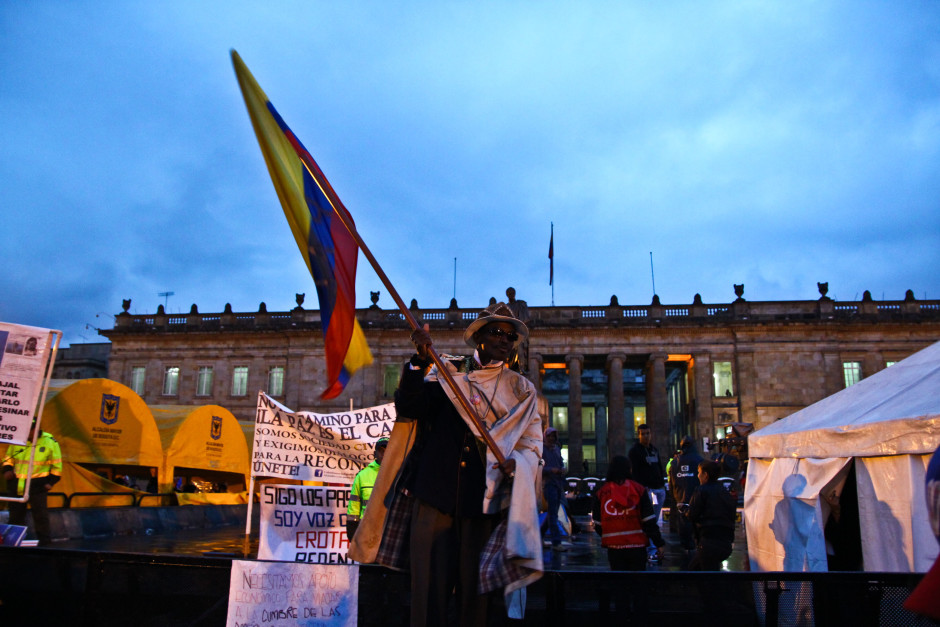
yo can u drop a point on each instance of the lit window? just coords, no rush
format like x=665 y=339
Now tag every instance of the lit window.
x=639 y=416
x=276 y=381
x=204 y=381
x=171 y=381
x=587 y=422
x=589 y=455
x=240 y=381
x=392 y=375
x=722 y=376
x=888 y=364
x=852 y=372
x=560 y=419
x=138 y=375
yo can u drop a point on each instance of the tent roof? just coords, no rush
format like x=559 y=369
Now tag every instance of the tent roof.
x=190 y=440
x=101 y=421
x=893 y=412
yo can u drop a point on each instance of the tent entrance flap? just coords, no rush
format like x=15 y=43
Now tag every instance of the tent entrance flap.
x=783 y=511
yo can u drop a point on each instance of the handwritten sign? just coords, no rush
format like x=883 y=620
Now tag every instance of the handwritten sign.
x=284 y=594
x=304 y=524
x=23 y=356
x=330 y=448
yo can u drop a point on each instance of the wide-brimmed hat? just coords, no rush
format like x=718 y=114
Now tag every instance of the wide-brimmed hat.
x=500 y=312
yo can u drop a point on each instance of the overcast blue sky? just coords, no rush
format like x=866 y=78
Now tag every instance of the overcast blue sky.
x=774 y=144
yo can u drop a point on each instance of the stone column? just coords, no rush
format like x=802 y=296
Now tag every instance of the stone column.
x=575 y=437
x=656 y=406
x=535 y=371
x=616 y=423
x=703 y=386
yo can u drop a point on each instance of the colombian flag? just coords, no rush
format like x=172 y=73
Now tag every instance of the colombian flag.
x=312 y=209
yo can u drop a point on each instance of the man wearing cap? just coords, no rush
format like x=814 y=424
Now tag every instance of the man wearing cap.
x=362 y=488
x=47 y=470
x=450 y=494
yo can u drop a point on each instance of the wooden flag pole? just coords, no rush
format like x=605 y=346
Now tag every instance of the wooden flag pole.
x=340 y=210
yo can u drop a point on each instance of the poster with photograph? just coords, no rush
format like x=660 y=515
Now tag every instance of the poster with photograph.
x=308 y=446
x=24 y=353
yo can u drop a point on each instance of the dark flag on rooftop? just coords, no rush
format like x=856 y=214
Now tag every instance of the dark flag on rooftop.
x=551 y=257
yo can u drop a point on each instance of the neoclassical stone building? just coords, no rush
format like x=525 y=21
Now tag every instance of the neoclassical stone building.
x=683 y=369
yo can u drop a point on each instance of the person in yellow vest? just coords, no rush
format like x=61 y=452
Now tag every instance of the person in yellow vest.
x=362 y=489
x=47 y=470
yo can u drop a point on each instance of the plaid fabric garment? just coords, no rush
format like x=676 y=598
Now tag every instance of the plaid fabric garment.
x=495 y=570
x=394 y=551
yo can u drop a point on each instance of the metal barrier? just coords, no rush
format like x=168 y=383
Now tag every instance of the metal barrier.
x=166 y=499
x=71 y=497
x=94 y=588
x=726 y=598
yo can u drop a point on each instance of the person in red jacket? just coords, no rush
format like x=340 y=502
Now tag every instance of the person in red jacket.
x=628 y=520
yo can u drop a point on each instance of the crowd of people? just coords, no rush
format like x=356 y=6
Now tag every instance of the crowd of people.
x=704 y=494
x=463 y=521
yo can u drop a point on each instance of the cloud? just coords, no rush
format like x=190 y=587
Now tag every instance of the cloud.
x=774 y=145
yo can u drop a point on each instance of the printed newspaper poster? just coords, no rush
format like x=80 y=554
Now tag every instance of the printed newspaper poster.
x=24 y=354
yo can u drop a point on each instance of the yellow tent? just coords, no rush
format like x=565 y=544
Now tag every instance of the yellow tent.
x=205 y=442
x=106 y=427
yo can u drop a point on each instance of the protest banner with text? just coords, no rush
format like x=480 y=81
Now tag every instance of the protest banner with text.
x=304 y=524
x=308 y=446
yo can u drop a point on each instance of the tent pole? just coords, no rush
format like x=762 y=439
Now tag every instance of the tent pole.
x=251 y=501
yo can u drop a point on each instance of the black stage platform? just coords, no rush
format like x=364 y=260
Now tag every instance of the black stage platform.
x=179 y=575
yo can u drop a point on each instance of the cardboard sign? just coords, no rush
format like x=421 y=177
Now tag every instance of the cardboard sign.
x=284 y=594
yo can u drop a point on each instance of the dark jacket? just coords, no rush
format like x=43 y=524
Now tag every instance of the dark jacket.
x=683 y=475
x=445 y=469
x=647 y=465
x=712 y=510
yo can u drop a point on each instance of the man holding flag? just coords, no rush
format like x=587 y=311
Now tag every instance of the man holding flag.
x=455 y=518
x=475 y=462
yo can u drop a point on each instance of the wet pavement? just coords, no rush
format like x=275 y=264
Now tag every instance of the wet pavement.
x=585 y=553
x=226 y=542
x=583 y=550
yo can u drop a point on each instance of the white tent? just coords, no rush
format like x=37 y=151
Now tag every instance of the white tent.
x=889 y=424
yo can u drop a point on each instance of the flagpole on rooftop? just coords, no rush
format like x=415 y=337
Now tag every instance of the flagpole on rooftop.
x=551 y=262
x=652 y=274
